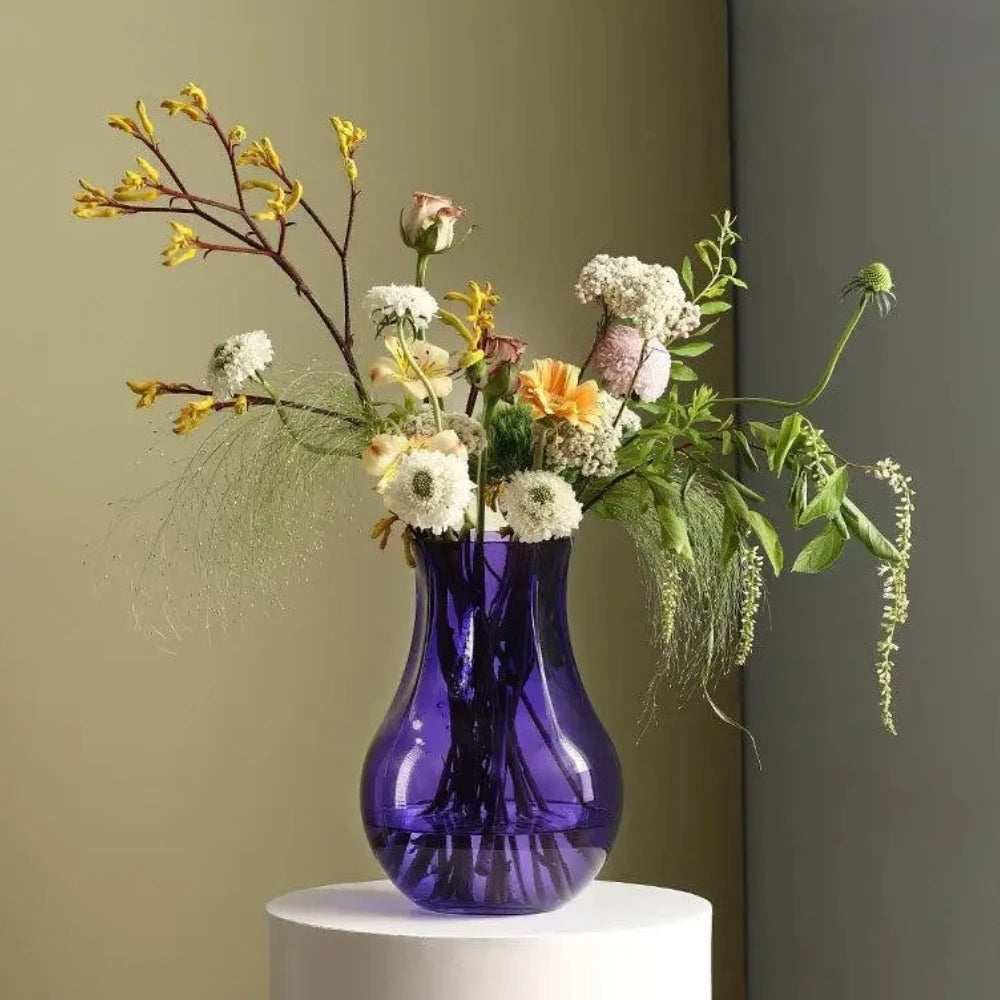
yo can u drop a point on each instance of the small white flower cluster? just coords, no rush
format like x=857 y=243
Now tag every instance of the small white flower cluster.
x=236 y=360
x=431 y=490
x=540 y=505
x=896 y=606
x=469 y=430
x=594 y=450
x=392 y=302
x=751 y=572
x=649 y=296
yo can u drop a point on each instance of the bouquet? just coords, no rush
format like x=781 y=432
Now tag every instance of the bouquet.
x=464 y=438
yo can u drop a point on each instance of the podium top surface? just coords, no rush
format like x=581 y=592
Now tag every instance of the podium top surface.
x=378 y=908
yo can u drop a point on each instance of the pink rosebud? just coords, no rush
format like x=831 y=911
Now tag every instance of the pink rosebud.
x=500 y=349
x=428 y=225
x=617 y=359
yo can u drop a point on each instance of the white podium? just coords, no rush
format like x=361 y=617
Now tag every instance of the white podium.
x=367 y=942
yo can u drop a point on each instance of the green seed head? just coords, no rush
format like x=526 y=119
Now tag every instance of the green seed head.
x=875 y=278
x=422 y=484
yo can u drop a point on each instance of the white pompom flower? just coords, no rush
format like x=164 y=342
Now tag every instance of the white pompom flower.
x=540 y=505
x=431 y=490
x=397 y=302
x=237 y=360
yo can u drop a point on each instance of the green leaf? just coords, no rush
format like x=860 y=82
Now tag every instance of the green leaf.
x=717 y=306
x=730 y=538
x=767 y=535
x=828 y=499
x=681 y=373
x=738 y=282
x=693 y=350
x=788 y=434
x=866 y=533
x=702 y=247
x=743 y=447
x=734 y=500
x=687 y=484
x=702 y=330
x=764 y=433
x=727 y=443
x=743 y=489
x=820 y=552
x=686 y=275
x=665 y=492
x=675 y=533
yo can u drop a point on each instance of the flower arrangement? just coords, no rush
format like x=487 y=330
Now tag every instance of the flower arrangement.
x=629 y=434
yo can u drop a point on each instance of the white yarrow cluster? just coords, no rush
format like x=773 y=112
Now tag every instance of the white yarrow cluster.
x=431 y=490
x=649 y=296
x=540 y=505
x=392 y=302
x=469 y=430
x=594 y=451
x=236 y=360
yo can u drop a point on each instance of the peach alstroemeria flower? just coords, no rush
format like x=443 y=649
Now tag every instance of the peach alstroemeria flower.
x=428 y=225
x=382 y=456
x=432 y=361
x=553 y=389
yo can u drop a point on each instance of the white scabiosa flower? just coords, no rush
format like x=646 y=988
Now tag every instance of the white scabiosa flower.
x=236 y=360
x=393 y=302
x=649 y=296
x=540 y=505
x=431 y=490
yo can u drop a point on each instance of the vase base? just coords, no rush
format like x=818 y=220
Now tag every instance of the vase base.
x=494 y=874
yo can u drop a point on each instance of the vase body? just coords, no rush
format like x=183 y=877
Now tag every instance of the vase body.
x=491 y=786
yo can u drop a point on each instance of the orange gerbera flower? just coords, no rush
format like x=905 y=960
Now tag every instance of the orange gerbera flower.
x=552 y=389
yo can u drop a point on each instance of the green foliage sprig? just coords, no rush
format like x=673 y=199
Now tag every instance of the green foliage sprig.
x=689 y=442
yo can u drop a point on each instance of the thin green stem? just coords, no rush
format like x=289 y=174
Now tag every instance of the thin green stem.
x=824 y=381
x=421 y=374
x=489 y=405
x=423 y=259
x=543 y=437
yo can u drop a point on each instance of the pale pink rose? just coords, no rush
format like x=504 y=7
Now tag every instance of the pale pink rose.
x=428 y=225
x=501 y=349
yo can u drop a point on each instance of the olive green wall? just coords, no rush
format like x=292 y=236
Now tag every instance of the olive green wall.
x=156 y=791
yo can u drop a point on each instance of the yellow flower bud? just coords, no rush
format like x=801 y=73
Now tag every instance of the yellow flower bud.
x=470 y=358
x=127 y=194
x=273 y=160
x=91 y=188
x=197 y=96
x=241 y=405
x=192 y=414
x=123 y=124
x=253 y=184
x=146 y=391
x=140 y=110
x=237 y=134
x=148 y=169
x=296 y=195
x=181 y=257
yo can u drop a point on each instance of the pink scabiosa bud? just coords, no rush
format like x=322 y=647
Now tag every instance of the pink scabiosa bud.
x=617 y=357
x=428 y=225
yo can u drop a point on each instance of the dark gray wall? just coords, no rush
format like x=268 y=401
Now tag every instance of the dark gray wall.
x=871 y=130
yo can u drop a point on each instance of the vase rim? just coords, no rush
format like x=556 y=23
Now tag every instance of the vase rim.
x=490 y=538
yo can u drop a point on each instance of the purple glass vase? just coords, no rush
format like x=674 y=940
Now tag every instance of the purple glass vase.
x=491 y=786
